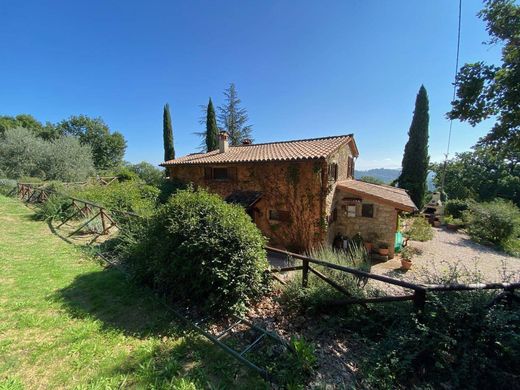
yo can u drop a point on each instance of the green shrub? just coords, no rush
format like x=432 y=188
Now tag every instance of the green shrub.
x=419 y=229
x=455 y=207
x=319 y=293
x=7 y=187
x=493 y=222
x=57 y=207
x=129 y=195
x=201 y=249
x=458 y=342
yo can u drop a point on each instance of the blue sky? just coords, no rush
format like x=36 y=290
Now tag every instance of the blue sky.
x=303 y=69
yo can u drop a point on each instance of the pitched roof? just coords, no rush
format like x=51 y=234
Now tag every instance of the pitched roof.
x=244 y=198
x=304 y=149
x=396 y=197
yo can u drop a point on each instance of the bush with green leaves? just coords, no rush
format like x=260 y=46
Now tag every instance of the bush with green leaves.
x=458 y=341
x=455 y=207
x=200 y=249
x=319 y=293
x=131 y=195
x=493 y=223
x=418 y=229
x=7 y=187
x=56 y=207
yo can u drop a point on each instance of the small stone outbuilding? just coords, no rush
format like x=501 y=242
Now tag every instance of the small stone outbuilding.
x=299 y=193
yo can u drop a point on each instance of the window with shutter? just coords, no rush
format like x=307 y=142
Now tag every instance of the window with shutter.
x=208 y=173
x=350 y=168
x=333 y=172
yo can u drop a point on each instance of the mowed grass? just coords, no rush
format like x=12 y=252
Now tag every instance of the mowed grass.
x=67 y=322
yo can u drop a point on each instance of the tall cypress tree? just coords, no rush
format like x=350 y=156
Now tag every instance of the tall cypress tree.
x=415 y=158
x=211 y=128
x=169 y=151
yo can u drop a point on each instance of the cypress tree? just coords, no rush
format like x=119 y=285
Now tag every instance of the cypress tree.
x=211 y=128
x=169 y=151
x=415 y=158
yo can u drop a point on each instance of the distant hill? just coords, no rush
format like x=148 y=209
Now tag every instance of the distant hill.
x=389 y=175
x=383 y=174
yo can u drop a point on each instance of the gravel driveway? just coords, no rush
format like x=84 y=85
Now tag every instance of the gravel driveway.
x=448 y=250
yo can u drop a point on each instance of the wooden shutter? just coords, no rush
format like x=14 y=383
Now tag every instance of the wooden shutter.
x=233 y=173
x=208 y=173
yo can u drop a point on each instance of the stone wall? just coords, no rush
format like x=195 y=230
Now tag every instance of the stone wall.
x=295 y=187
x=383 y=224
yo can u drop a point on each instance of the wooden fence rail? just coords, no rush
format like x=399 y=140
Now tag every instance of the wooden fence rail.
x=420 y=290
x=30 y=192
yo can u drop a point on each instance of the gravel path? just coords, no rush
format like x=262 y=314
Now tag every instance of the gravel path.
x=448 y=251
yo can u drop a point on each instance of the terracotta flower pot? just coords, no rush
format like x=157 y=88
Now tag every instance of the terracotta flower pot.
x=383 y=251
x=368 y=246
x=436 y=223
x=406 y=264
x=451 y=226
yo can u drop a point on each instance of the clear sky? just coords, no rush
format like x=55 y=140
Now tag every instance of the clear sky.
x=303 y=69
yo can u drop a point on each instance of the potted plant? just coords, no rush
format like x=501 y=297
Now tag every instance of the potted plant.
x=383 y=248
x=406 y=258
x=369 y=243
x=450 y=223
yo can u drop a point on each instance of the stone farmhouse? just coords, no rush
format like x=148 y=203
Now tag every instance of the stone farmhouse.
x=299 y=193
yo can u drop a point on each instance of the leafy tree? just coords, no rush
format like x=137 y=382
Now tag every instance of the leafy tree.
x=415 y=158
x=371 y=179
x=68 y=160
x=148 y=173
x=169 y=151
x=108 y=149
x=481 y=174
x=47 y=131
x=232 y=118
x=211 y=128
x=485 y=90
x=22 y=153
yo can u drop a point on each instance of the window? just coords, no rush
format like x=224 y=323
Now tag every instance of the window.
x=367 y=210
x=278 y=215
x=220 y=173
x=333 y=172
x=351 y=210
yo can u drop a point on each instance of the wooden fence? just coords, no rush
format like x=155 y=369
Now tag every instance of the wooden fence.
x=30 y=193
x=419 y=290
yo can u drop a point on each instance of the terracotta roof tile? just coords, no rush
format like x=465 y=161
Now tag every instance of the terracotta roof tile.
x=274 y=151
x=387 y=194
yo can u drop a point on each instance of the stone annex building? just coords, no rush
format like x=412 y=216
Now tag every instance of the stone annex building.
x=299 y=193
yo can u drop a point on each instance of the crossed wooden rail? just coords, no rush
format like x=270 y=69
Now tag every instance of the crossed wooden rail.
x=28 y=192
x=419 y=290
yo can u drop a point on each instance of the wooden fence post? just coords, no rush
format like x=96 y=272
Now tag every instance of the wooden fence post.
x=102 y=214
x=305 y=273
x=419 y=299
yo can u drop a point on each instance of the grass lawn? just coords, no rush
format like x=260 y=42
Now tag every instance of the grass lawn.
x=66 y=322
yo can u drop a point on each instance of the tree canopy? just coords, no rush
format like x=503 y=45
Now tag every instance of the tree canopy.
x=480 y=174
x=493 y=91
x=108 y=149
x=233 y=118
x=415 y=159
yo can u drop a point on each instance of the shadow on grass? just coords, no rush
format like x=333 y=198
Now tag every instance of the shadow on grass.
x=180 y=360
x=108 y=296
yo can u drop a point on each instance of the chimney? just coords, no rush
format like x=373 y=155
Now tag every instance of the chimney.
x=223 y=143
x=247 y=141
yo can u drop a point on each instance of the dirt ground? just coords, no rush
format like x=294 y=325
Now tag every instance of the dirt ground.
x=448 y=251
